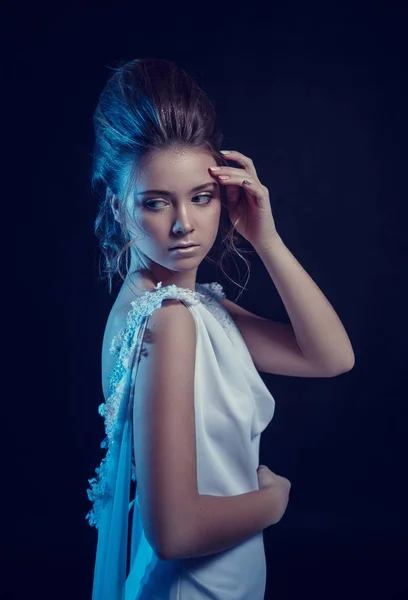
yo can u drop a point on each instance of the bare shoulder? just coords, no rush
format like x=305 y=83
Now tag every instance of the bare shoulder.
x=174 y=322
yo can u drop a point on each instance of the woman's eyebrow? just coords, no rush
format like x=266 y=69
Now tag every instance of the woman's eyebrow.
x=198 y=188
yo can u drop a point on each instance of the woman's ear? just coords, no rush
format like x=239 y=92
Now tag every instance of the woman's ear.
x=114 y=204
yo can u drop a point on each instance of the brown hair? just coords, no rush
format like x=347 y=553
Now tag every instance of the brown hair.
x=150 y=105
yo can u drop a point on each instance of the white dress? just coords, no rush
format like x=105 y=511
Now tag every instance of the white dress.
x=232 y=408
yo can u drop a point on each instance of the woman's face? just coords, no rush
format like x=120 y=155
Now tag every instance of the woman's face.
x=168 y=210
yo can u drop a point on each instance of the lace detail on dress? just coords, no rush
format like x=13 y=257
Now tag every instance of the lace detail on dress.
x=123 y=346
x=214 y=295
x=116 y=343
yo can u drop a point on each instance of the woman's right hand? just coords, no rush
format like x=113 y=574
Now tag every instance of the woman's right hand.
x=281 y=485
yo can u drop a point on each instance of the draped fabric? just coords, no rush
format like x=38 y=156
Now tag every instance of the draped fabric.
x=233 y=407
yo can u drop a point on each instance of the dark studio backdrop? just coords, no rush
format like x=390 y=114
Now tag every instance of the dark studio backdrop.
x=316 y=95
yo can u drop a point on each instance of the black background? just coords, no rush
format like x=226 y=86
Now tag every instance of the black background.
x=316 y=95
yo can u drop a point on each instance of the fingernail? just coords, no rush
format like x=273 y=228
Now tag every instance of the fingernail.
x=225 y=151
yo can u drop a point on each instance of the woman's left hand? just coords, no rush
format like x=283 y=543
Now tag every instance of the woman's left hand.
x=249 y=206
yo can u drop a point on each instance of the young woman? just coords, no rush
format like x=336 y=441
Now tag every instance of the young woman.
x=184 y=403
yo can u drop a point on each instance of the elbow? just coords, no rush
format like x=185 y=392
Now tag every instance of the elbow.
x=161 y=548
x=175 y=539
x=163 y=551
x=178 y=546
x=345 y=368
x=162 y=555
x=349 y=363
x=173 y=552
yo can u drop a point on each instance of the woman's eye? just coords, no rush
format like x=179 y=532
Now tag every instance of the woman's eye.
x=208 y=196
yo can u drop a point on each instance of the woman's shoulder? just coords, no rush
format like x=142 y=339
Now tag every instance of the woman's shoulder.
x=130 y=307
